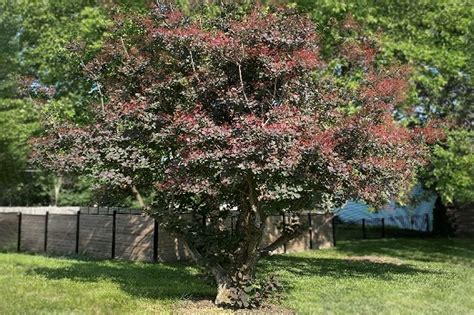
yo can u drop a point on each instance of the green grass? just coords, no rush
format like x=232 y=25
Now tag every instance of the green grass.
x=393 y=276
x=35 y=284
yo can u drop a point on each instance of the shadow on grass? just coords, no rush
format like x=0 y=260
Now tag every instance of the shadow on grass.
x=176 y=281
x=459 y=251
x=338 y=268
x=143 y=280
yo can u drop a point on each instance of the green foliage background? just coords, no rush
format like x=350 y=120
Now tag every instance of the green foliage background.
x=451 y=172
x=434 y=36
x=34 y=39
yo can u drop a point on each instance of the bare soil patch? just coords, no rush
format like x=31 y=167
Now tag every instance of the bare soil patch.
x=206 y=306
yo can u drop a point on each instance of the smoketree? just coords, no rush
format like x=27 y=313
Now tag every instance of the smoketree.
x=238 y=114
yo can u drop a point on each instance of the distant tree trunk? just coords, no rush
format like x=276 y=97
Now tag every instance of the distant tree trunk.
x=58 y=183
x=139 y=197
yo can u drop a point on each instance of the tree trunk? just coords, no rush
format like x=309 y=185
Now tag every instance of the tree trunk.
x=223 y=280
x=224 y=291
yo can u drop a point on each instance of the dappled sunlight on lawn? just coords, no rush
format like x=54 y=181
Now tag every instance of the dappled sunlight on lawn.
x=144 y=280
x=459 y=251
x=405 y=276
x=402 y=276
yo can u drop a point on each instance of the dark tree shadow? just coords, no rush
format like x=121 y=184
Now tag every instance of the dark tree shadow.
x=165 y=281
x=143 y=280
x=338 y=268
x=180 y=280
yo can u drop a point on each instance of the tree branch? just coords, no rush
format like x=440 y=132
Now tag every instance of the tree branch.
x=216 y=269
x=101 y=96
x=193 y=65
x=124 y=48
x=255 y=229
x=242 y=83
x=285 y=237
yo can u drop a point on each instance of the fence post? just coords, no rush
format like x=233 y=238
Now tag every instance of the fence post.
x=114 y=225
x=19 y=233
x=78 y=220
x=310 y=223
x=427 y=216
x=46 y=217
x=363 y=229
x=333 y=222
x=155 y=240
x=383 y=227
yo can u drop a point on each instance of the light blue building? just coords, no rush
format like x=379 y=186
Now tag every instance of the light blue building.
x=417 y=216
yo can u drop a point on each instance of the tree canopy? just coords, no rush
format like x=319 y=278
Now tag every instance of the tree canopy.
x=44 y=43
x=239 y=113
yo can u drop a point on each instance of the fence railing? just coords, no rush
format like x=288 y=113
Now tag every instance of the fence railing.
x=126 y=234
x=73 y=230
x=370 y=228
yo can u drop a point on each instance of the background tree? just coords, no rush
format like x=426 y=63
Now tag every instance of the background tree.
x=435 y=37
x=19 y=124
x=239 y=113
x=454 y=159
x=451 y=176
x=34 y=40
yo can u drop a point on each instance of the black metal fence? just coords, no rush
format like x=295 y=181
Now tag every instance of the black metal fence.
x=127 y=234
x=369 y=228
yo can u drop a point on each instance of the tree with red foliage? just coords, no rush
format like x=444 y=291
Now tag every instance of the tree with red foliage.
x=239 y=114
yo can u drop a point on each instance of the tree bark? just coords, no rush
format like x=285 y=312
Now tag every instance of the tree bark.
x=224 y=290
x=251 y=226
x=139 y=197
x=221 y=276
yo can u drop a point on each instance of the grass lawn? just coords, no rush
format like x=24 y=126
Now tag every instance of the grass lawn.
x=397 y=276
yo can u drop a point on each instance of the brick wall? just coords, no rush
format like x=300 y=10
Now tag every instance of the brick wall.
x=134 y=235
